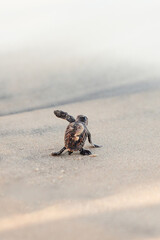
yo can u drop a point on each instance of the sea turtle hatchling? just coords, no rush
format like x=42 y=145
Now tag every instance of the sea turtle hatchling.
x=75 y=134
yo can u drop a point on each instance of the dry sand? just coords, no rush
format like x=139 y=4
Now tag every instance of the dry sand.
x=114 y=195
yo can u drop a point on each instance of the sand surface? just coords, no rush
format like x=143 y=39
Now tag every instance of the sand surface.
x=113 y=195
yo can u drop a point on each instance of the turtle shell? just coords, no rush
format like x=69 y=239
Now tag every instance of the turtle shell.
x=75 y=136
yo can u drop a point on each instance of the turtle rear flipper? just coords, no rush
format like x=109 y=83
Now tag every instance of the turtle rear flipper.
x=64 y=115
x=85 y=152
x=58 y=153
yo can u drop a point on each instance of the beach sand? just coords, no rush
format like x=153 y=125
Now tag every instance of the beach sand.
x=113 y=194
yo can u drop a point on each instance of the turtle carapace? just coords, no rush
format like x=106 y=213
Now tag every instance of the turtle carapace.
x=75 y=135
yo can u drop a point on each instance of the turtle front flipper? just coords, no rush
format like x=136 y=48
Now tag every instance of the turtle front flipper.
x=90 y=141
x=58 y=153
x=64 y=115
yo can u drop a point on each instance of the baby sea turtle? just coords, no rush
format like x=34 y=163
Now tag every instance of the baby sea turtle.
x=75 y=135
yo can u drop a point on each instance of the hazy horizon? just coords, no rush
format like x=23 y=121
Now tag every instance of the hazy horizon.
x=125 y=29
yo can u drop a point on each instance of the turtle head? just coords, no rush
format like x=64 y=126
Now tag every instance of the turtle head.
x=82 y=118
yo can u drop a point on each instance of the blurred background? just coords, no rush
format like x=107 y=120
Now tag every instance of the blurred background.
x=56 y=51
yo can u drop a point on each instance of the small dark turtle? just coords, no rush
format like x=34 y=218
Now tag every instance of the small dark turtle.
x=76 y=134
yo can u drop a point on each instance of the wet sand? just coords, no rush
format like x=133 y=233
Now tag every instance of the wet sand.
x=38 y=80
